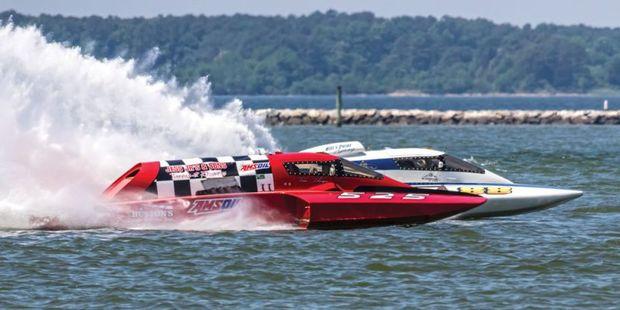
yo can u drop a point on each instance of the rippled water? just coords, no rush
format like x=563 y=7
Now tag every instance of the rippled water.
x=568 y=256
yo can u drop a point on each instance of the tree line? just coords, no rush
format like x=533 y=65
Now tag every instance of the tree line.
x=311 y=54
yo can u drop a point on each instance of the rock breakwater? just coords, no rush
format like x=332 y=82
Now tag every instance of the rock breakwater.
x=423 y=117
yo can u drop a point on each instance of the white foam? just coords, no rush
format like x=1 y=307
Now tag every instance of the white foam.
x=246 y=216
x=71 y=123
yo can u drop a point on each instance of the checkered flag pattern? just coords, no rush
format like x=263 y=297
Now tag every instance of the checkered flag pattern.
x=186 y=177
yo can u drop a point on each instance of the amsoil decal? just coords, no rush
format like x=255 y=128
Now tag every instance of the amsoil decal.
x=248 y=167
x=205 y=206
x=386 y=196
x=262 y=165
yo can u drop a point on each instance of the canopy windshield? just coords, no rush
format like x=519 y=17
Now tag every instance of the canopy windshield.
x=350 y=169
x=338 y=168
x=437 y=163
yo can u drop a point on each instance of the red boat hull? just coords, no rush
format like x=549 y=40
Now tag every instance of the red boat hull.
x=303 y=209
x=304 y=190
x=334 y=210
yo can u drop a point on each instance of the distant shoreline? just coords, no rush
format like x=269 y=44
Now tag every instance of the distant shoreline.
x=508 y=95
x=466 y=95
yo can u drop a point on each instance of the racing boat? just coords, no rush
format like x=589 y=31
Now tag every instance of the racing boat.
x=431 y=169
x=305 y=190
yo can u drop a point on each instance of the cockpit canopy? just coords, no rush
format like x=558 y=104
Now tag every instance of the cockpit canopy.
x=252 y=173
x=333 y=168
x=443 y=162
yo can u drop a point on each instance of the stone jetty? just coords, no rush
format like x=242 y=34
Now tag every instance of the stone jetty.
x=425 y=117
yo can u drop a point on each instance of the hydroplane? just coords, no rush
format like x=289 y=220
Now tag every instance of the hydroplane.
x=426 y=168
x=303 y=190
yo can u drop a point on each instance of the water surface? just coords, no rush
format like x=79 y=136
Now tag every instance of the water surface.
x=568 y=256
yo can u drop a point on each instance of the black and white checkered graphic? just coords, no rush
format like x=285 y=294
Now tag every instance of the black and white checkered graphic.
x=178 y=178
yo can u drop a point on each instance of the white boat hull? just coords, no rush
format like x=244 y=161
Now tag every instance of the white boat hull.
x=508 y=199
x=411 y=166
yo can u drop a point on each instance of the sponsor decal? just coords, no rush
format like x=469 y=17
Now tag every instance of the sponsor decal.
x=205 y=206
x=266 y=188
x=193 y=168
x=341 y=148
x=248 y=167
x=430 y=177
x=490 y=190
x=338 y=147
x=502 y=190
x=216 y=166
x=385 y=196
x=210 y=174
x=175 y=169
x=146 y=212
x=202 y=170
x=180 y=176
x=262 y=165
x=264 y=182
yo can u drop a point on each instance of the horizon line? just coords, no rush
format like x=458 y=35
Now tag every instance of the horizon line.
x=318 y=11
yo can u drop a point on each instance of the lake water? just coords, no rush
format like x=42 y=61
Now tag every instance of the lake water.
x=428 y=102
x=564 y=257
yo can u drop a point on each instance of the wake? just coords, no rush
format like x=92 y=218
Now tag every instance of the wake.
x=72 y=123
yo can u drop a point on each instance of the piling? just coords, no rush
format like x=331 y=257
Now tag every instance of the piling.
x=339 y=106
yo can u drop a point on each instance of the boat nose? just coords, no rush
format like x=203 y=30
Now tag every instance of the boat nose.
x=563 y=195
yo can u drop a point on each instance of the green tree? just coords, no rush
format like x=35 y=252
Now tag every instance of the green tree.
x=310 y=54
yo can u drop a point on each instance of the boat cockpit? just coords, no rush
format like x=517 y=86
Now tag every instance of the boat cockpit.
x=443 y=162
x=333 y=168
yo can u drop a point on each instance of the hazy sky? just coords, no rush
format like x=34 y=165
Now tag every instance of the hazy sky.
x=592 y=12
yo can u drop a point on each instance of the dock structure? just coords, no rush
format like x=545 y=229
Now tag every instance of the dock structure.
x=339 y=106
x=276 y=117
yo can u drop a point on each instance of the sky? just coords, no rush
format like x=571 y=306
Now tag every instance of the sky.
x=600 y=13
